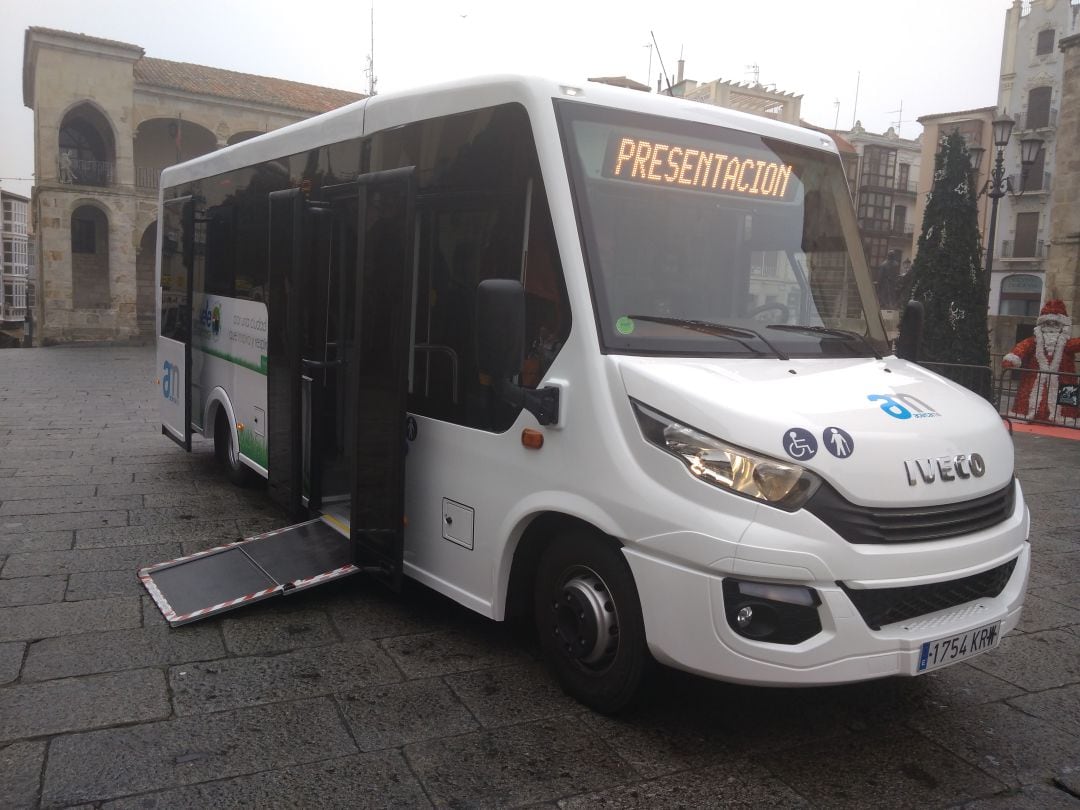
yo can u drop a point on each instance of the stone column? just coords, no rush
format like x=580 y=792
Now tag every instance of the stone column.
x=1063 y=265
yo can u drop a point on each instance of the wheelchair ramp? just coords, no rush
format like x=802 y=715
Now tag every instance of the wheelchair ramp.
x=277 y=563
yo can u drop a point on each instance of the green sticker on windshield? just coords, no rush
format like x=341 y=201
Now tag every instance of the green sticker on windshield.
x=624 y=325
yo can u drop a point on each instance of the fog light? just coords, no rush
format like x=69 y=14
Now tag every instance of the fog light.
x=744 y=616
x=770 y=612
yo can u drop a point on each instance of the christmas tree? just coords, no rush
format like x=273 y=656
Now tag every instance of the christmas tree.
x=947 y=275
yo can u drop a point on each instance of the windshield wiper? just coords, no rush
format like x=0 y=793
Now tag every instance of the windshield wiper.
x=826 y=330
x=709 y=328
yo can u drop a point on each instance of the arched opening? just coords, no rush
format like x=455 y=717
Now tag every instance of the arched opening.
x=145 y=300
x=87 y=150
x=90 y=258
x=243 y=136
x=161 y=142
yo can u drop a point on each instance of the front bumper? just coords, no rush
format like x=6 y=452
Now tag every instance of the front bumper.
x=686 y=627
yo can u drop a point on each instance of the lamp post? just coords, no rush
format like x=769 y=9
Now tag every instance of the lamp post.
x=999 y=185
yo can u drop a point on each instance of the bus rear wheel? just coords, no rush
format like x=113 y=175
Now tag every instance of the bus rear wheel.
x=227 y=452
x=588 y=617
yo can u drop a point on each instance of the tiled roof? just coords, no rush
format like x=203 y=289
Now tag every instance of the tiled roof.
x=210 y=81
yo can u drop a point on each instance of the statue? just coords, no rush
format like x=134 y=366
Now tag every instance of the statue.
x=1045 y=396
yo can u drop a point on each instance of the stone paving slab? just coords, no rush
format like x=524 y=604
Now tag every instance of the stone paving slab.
x=20 y=773
x=426 y=654
x=503 y=696
x=16 y=492
x=392 y=715
x=534 y=762
x=74 y=704
x=899 y=770
x=64 y=521
x=381 y=779
x=1034 y=661
x=275 y=628
x=11 y=657
x=112 y=763
x=87 y=653
x=1007 y=744
x=102 y=585
x=739 y=783
x=236 y=682
x=66 y=618
x=32 y=590
x=35 y=541
x=1029 y=797
x=217 y=532
x=78 y=560
x=55 y=506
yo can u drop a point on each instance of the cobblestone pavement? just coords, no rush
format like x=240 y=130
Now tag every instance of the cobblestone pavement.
x=350 y=696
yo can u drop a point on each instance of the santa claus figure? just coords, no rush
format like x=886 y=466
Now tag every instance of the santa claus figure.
x=1050 y=349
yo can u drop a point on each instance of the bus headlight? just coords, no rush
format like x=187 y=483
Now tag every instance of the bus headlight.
x=752 y=475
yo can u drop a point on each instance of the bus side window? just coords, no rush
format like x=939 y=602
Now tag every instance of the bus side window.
x=547 y=309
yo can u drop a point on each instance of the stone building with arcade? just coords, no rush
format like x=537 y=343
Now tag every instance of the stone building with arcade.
x=107 y=120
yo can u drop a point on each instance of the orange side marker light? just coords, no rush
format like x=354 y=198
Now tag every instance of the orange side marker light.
x=533 y=439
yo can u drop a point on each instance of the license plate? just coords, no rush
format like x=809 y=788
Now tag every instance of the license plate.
x=944 y=651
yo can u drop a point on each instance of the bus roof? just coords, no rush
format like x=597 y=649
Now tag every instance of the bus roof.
x=396 y=109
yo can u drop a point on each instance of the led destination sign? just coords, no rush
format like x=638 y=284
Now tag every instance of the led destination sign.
x=666 y=164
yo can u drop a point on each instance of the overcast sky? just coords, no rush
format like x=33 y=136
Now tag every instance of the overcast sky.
x=930 y=55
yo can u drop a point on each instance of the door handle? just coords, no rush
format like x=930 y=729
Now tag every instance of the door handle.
x=322 y=363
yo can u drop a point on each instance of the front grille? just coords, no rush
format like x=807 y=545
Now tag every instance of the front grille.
x=913 y=524
x=881 y=606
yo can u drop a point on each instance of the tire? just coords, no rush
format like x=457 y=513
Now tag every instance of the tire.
x=228 y=454
x=588 y=618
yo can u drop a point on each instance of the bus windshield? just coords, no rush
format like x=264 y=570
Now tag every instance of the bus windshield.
x=705 y=240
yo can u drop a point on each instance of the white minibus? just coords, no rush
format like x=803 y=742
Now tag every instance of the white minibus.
x=603 y=358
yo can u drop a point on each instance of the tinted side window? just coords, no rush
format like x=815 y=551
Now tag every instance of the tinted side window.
x=481 y=213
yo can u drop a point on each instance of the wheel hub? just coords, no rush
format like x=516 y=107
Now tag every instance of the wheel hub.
x=586 y=622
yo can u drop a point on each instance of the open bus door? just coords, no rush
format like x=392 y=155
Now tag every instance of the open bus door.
x=178 y=243
x=371 y=355
x=384 y=327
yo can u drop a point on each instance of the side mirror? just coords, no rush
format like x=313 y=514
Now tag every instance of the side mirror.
x=911 y=328
x=500 y=327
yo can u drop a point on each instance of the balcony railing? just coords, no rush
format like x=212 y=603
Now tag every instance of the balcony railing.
x=147 y=176
x=1028 y=121
x=910 y=187
x=1033 y=184
x=84 y=172
x=1010 y=250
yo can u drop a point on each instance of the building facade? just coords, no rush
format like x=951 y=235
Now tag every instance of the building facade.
x=17 y=259
x=107 y=120
x=1063 y=262
x=885 y=192
x=1030 y=91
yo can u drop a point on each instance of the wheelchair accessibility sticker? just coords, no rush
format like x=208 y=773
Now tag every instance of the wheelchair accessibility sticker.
x=800 y=444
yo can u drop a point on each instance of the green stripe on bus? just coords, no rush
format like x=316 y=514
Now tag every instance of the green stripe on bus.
x=258 y=369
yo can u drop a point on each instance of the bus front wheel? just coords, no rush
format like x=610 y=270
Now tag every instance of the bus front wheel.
x=588 y=617
x=227 y=453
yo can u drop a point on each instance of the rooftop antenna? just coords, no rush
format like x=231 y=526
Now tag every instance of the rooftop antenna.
x=372 y=80
x=836 y=120
x=648 y=77
x=756 y=70
x=662 y=68
x=899 y=122
x=855 y=108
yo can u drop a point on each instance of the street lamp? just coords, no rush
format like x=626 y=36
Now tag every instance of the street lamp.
x=999 y=185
